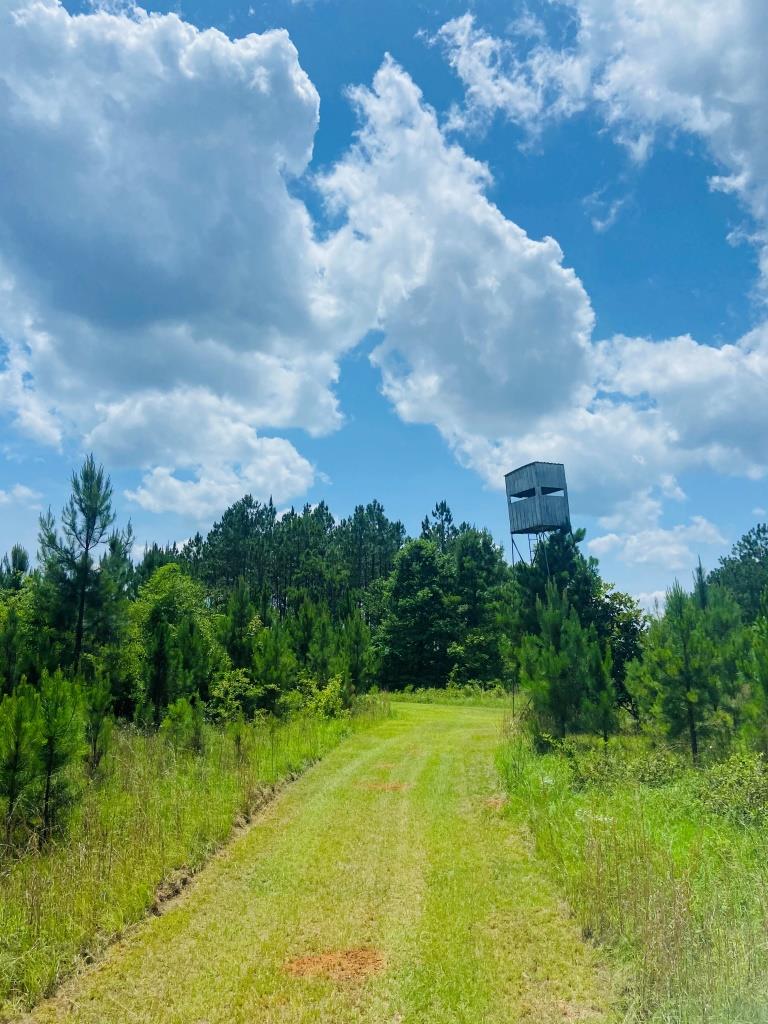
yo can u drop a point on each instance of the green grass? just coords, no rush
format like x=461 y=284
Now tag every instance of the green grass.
x=677 y=892
x=153 y=812
x=395 y=843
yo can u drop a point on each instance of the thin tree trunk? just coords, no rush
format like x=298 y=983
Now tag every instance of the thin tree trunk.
x=81 y=611
x=12 y=796
x=692 y=731
x=47 y=798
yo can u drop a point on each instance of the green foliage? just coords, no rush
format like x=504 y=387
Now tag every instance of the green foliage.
x=615 y=617
x=662 y=862
x=68 y=560
x=744 y=573
x=20 y=741
x=14 y=568
x=98 y=720
x=238 y=626
x=61 y=741
x=419 y=625
x=274 y=665
x=184 y=725
x=175 y=646
x=439 y=528
x=152 y=812
x=737 y=789
x=689 y=676
x=234 y=695
x=568 y=680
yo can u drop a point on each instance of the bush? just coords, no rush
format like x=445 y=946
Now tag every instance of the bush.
x=183 y=725
x=620 y=762
x=737 y=789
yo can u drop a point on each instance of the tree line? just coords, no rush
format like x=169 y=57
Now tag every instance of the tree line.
x=273 y=614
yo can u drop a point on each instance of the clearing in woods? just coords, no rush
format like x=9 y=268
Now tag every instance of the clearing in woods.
x=386 y=885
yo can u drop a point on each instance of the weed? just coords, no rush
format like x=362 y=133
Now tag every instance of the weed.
x=660 y=862
x=154 y=814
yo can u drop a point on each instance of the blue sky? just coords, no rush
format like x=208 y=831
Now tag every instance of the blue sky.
x=223 y=272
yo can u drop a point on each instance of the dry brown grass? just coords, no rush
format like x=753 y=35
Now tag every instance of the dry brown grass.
x=339 y=965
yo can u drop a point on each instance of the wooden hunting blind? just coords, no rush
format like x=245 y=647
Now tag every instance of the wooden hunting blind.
x=537 y=499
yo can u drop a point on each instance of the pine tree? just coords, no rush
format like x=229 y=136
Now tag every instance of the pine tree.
x=322 y=647
x=690 y=668
x=274 y=664
x=68 y=561
x=20 y=741
x=61 y=734
x=238 y=639
x=14 y=568
x=302 y=627
x=193 y=663
x=356 y=656
x=420 y=621
x=162 y=668
x=440 y=528
x=600 y=706
x=556 y=665
x=98 y=719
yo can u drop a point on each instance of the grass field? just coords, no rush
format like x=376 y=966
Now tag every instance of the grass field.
x=386 y=885
x=664 y=865
x=154 y=815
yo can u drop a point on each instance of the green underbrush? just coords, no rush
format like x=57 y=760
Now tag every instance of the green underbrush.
x=664 y=865
x=155 y=812
x=458 y=696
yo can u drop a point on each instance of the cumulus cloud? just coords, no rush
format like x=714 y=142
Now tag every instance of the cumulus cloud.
x=166 y=298
x=151 y=252
x=525 y=83
x=673 y=548
x=694 y=66
x=484 y=328
x=488 y=337
x=636 y=536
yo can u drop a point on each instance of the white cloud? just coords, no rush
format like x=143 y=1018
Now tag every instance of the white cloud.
x=152 y=249
x=498 y=77
x=20 y=494
x=760 y=512
x=636 y=536
x=223 y=453
x=165 y=298
x=603 y=212
x=488 y=337
x=484 y=327
x=696 y=66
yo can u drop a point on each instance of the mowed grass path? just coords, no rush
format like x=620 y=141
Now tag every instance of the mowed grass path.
x=392 y=845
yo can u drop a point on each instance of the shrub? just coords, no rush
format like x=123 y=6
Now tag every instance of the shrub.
x=737 y=789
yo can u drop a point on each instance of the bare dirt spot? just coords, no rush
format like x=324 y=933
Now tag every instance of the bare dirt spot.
x=340 y=965
x=171 y=887
x=386 y=787
x=496 y=803
x=570 y=1011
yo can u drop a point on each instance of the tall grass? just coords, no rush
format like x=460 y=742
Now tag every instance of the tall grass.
x=153 y=815
x=458 y=696
x=676 y=890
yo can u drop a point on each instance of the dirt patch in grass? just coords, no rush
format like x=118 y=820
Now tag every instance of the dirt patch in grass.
x=386 y=787
x=339 y=965
x=496 y=803
x=573 y=1012
x=171 y=887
